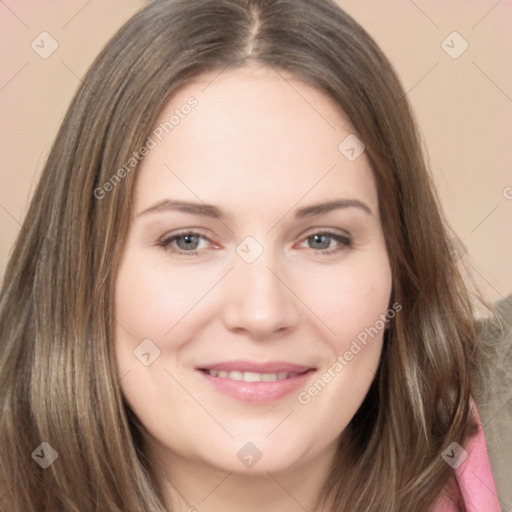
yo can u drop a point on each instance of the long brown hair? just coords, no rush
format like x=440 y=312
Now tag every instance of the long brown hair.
x=58 y=381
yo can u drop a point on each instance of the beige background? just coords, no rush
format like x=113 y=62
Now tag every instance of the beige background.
x=464 y=105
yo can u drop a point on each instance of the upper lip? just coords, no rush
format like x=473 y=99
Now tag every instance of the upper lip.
x=250 y=366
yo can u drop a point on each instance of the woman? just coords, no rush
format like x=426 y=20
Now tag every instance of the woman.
x=234 y=288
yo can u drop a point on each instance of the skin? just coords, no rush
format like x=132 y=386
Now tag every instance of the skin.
x=258 y=147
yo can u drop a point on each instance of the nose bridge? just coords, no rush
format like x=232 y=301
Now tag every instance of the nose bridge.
x=258 y=300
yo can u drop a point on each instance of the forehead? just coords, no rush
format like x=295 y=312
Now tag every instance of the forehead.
x=253 y=132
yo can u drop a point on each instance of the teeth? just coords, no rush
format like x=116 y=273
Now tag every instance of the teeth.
x=251 y=376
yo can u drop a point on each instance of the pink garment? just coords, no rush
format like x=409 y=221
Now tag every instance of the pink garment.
x=473 y=475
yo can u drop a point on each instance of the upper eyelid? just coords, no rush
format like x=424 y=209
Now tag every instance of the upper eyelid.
x=184 y=232
x=308 y=232
x=328 y=231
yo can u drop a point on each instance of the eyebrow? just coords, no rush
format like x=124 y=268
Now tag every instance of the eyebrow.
x=209 y=210
x=317 y=209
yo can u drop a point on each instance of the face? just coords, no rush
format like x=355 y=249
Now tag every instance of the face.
x=255 y=279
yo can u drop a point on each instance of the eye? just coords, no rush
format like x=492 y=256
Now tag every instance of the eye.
x=189 y=242
x=324 y=242
x=185 y=242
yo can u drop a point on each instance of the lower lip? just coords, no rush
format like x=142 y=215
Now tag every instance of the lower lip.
x=258 y=392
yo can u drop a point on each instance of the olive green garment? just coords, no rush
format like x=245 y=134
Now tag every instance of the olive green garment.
x=493 y=396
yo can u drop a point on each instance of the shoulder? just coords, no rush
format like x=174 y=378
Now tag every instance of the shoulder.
x=493 y=393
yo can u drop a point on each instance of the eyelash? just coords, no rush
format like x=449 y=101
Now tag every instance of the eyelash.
x=345 y=242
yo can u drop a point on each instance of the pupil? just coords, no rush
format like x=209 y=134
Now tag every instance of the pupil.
x=190 y=242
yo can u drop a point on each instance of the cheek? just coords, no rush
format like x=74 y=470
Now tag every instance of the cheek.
x=355 y=310
x=359 y=320
x=353 y=302
x=350 y=299
x=152 y=299
x=147 y=307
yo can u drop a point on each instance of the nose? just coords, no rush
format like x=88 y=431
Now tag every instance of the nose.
x=259 y=299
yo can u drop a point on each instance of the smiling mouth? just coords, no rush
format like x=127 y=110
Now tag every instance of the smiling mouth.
x=252 y=376
x=257 y=383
